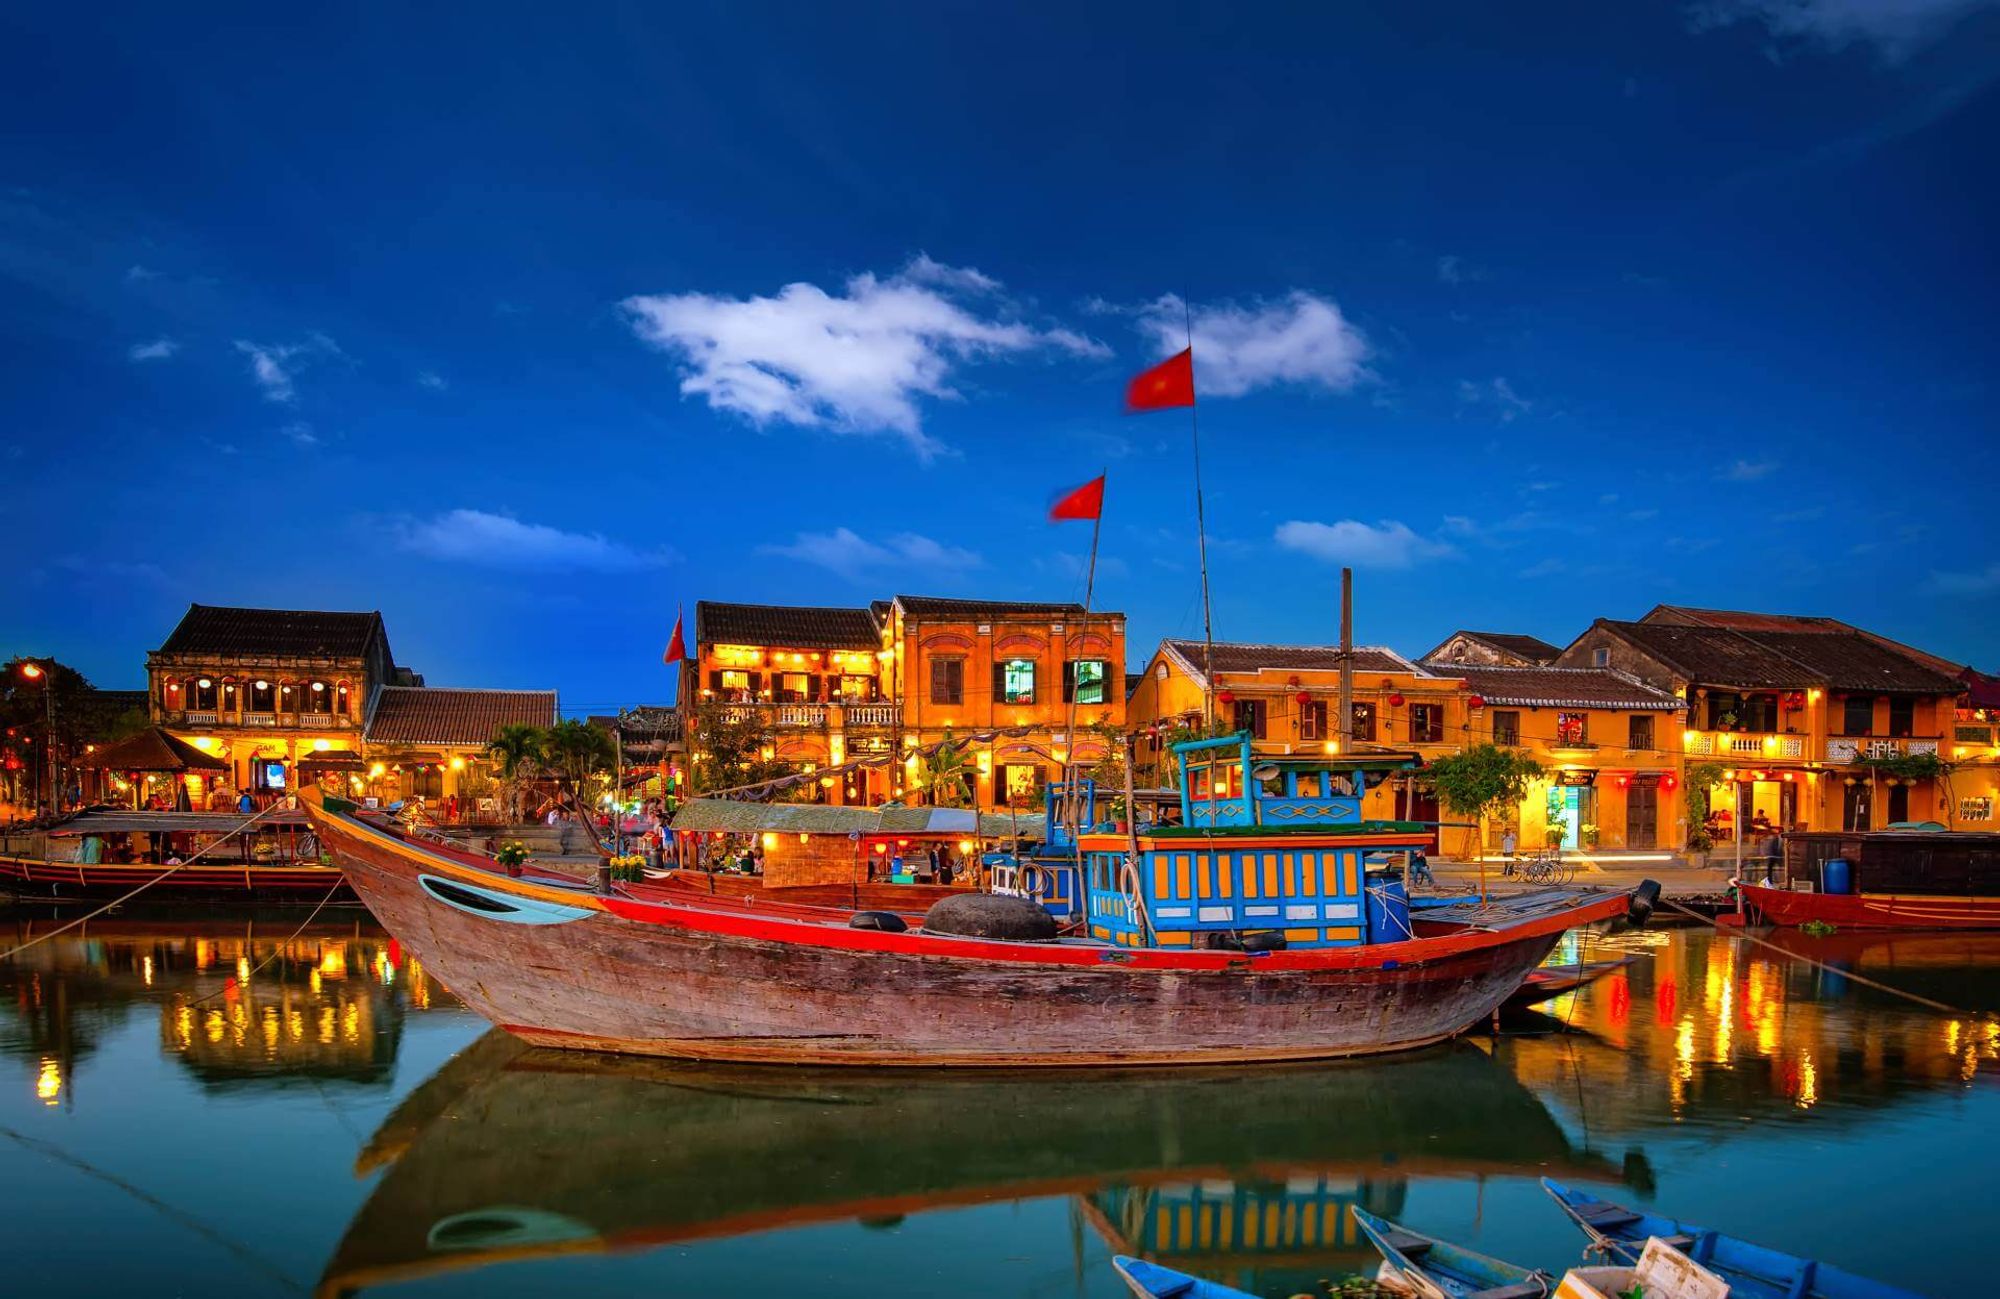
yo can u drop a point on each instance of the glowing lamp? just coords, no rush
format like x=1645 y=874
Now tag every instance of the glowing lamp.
x=881 y=847
x=1669 y=781
x=32 y=671
x=204 y=683
x=319 y=687
x=1624 y=782
x=174 y=687
x=263 y=685
x=770 y=839
x=320 y=746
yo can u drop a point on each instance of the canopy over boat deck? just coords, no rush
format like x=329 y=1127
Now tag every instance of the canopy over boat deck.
x=726 y=816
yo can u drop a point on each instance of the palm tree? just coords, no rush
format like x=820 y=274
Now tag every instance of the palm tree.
x=521 y=750
x=944 y=773
x=577 y=749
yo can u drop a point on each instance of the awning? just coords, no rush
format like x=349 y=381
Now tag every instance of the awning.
x=333 y=760
x=109 y=822
x=152 y=750
x=722 y=815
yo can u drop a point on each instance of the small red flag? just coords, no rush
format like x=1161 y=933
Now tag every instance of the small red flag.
x=1086 y=502
x=1166 y=385
x=677 y=646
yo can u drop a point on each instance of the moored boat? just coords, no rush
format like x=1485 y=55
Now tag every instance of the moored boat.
x=1437 y=1269
x=1884 y=879
x=1752 y=1271
x=1152 y=1281
x=1248 y=934
x=102 y=854
x=1547 y=982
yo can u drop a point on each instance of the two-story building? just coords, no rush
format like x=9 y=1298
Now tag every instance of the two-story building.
x=859 y=689
x=1794 y=710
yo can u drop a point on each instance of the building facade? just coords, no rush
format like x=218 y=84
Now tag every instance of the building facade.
x=1805 y=717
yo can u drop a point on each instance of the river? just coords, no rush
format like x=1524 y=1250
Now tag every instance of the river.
x=197 y=1105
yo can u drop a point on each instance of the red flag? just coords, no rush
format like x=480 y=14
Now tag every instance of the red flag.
x=677 y=646
x=1086 y=502
x=1166 y=385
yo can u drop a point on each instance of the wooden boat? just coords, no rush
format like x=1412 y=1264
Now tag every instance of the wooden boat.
x=277 y=862
x=1897 y=879
x=646 y=972
x=633 y=1154
x=1547 y=982
x=1152 y=1281
x=1752 y=1271
x=1437 y=1269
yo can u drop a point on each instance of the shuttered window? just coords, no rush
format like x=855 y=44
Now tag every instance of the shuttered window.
x=1085 y=681
x=947 y=681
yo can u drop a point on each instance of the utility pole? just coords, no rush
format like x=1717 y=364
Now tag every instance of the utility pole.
x=1344 y=728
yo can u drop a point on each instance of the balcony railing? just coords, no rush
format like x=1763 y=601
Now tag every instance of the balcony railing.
x=1745 y=744
x=274 y=721
x=870 y=714
x=198 y=719
x=1854 y=748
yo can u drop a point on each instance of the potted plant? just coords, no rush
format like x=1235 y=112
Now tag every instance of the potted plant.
x=1553 y=833
x=510 y=855
x=1587 y=833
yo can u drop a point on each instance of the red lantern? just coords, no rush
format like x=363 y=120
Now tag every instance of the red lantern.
x=1395 y=701
x=1226 y=697
x=1477 y=701
x=1303 y=697
x=1624 y=782
x=1669 y=781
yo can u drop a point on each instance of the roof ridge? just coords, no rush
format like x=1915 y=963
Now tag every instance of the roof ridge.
x=486 y=690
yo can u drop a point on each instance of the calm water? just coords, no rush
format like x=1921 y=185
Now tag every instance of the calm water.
x=175 y=1120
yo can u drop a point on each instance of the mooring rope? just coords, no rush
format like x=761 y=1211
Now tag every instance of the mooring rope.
x=280 y=949
x=118 y=901
x=1803 y=959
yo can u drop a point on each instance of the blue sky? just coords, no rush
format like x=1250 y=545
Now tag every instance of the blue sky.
x=526 y=325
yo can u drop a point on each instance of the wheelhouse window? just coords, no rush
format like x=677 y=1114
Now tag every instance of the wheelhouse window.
x=1426 y=723
x=947 y=681
x=1858 y=715
x=1089 y=681
x=1017 y=681
x=263 y=696
x=1506 y=726
x=1572 y=729
x=1639 y=731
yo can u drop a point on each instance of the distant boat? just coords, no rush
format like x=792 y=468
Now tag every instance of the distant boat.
x=1547 y=982
x=1151 y=1281
x=1438 y=1269
x=104 y=853
x=1893 y=879
x=1752 y=1271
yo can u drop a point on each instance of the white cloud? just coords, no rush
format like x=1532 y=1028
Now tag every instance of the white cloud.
x=137 y=273
x=851 y=555
x=1747 y=471
x=501 y=541
x=157 y=350
x=1386 y=545
x=1496 y=395
x=1897 y=28
x=301 y=432
x=1302 y=339
x=276 y=367
x=856 y=361
x=431 y=379
x=1983 y=582
x=1448 y=270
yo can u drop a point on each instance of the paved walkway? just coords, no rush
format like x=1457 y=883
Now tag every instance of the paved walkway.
x=1677 y=878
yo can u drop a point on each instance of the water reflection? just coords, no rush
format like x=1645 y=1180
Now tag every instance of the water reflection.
x=257 y=1002
x=510 y=1153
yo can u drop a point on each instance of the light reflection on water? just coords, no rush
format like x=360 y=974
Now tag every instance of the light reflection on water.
x=320 y=1109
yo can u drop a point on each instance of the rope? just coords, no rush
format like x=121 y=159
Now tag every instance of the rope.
x=280 y=951
x=191 y=859
x=1821 y=965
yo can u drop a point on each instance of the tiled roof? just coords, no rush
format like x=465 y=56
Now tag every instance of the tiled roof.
x=1851 y=660
x=1715 y=655
x=932 y=606
x=1742 y=620
x=280 y=633
x=1527 y=647
x=1547 y=687
x=785 y=625
x=444 y=715
x=1237 y=656
x=153 y=750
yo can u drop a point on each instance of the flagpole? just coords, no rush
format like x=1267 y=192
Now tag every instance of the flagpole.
x=1069 y=727
x=1201 y=533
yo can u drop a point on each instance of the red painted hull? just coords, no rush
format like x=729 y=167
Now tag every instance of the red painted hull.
x=75 y=881
x=675 y=978
x=1872 y=910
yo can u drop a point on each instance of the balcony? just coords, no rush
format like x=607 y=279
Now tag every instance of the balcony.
x=1744 y=744
x=198 y=719
x=866 y=715
x=260 y=719
x=1860 y=748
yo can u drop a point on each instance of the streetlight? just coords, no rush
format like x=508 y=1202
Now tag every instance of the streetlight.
x=32 y=670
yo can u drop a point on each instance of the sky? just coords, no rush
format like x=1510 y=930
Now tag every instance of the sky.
x=530 y=325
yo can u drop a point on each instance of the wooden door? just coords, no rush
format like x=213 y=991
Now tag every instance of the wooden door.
x=1642 y=815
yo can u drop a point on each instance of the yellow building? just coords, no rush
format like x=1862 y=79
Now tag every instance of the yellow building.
x=1797 y=712
x=1608 y=742
x=1975 y=751
x=838 y=686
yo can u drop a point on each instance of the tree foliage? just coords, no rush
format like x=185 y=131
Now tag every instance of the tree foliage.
x=945 y=774
x=1484 y=780
x=732 y=748
x=1702 y=778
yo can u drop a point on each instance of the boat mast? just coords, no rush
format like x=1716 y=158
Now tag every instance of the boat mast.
x=1344 y=727
x=1201 y=535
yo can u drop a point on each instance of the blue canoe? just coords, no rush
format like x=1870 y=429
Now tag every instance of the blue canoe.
x=1438 y=1269
x=1752 y=1271
x=1151 y=1281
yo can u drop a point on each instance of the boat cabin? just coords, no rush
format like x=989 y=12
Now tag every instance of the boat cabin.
x=1049 y=873
x=1270 y=851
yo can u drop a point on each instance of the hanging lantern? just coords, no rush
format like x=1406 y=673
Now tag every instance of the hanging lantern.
x=1303 y=697
x=1477 y=701
x=1395 y=701
x=1669 y=781
x=1226 y=697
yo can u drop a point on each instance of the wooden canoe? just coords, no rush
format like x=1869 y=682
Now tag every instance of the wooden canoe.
x=1547 y=982
x=1437 y=1269
x=1152 y=1281
x=205 y=883
x=559 y=965
x=1785 y=907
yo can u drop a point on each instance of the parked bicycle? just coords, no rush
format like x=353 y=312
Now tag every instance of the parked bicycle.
x=1547 y=867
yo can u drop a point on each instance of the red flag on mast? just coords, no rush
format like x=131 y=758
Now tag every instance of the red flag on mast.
x=1165 y=386
x=676 y=646
x=1086 y=502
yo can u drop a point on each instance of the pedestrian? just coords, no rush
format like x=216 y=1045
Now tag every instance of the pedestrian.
x=1508 y=840
x=246 y=804
x=1420 y=869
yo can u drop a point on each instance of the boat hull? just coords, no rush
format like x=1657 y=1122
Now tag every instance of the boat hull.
x=199 y=884
x=673 y=979
x=1873 y=910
